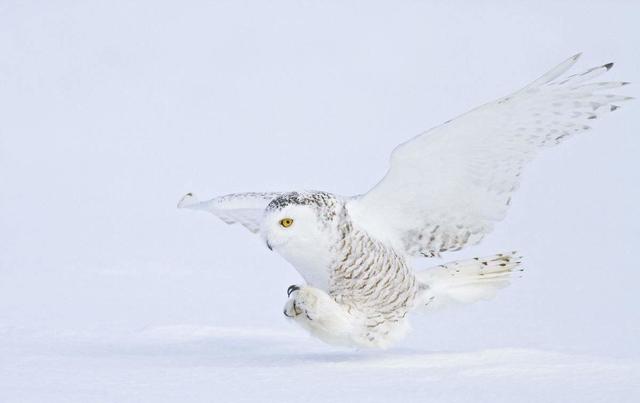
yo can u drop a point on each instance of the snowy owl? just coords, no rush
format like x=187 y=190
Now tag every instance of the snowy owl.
x=444 y=190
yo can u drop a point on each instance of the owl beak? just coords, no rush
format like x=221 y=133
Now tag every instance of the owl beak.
x=269 y=246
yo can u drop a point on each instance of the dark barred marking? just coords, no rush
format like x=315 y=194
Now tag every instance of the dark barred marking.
x=324 y=202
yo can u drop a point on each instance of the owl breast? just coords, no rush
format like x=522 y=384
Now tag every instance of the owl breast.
x=372 y=278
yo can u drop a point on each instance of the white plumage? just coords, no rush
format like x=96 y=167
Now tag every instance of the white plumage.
x=444 y=189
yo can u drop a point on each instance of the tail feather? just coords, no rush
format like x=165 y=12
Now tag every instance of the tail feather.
x=465 y=281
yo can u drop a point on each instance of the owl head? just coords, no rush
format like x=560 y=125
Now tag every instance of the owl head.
x=302 y=227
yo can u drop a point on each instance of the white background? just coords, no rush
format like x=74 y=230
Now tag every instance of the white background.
x=111 y=111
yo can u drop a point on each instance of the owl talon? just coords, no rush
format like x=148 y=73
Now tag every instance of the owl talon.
x=291 y=289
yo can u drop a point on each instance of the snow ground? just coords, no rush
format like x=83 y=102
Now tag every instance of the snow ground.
x=205 y=364
x=111 y=111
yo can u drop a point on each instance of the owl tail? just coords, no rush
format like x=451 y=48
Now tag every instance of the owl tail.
x=465 y=281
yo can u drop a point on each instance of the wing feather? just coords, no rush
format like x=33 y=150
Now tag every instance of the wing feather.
x=446 y=187
x=244 y=208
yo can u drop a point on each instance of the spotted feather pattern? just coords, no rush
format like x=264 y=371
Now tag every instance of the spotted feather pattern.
x=373 y=281
x=323 y=202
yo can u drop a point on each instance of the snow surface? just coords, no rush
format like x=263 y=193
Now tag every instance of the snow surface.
x=204 y=364
x=111 y=112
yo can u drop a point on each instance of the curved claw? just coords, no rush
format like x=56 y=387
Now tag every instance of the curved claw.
x=291 y=289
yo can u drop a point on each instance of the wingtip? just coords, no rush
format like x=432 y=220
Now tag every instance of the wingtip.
x=608 y=66
x=576 y=56
x=187 y=200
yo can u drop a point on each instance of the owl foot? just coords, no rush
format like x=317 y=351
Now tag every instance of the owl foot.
x=299 y=302
x=317 y=312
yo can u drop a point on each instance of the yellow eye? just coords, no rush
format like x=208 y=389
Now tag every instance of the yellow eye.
x=286 y=222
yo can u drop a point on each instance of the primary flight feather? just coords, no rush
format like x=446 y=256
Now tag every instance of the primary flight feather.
x=444 y=189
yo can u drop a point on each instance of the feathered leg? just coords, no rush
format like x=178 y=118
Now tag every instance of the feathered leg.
x=321 y=315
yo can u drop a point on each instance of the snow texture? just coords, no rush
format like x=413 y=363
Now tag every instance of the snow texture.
x=110 y=111
x=204 y=364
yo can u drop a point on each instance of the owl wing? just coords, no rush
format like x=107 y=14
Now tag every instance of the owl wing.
x=244 y=208
x=446 y=187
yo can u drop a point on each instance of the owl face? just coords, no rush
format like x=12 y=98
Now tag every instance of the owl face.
x=301 y=234
x=293 y=226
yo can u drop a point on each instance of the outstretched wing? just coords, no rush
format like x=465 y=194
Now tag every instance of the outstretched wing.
x=244 y=208
x=446 y=187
